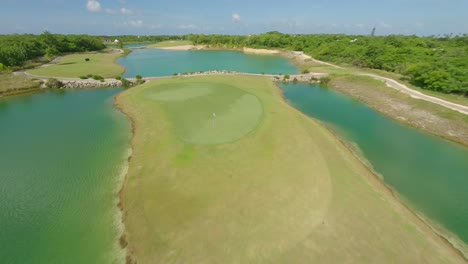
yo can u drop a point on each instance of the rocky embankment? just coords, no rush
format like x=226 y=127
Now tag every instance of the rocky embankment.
x=89 y=83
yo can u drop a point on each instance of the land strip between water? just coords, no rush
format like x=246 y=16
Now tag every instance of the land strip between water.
x=160 y=188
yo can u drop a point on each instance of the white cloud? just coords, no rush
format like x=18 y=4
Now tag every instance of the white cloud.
x=126 y=11
x=236 y=17
x=93 y=6
x=110 y=11
x=136 y=23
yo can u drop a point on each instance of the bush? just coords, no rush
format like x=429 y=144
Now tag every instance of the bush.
x=4 y=68
x=89 y=75
x=54 y=83
x=295 y=79
x=118 y=78
x=98 y=77
x=125 y=82
x=305 y=71
x=86 y=59
x=286 y=77
x=138 y=77
x=325 y=80
x=83 y=77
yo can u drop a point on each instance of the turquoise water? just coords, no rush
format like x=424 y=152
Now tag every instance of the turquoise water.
x=429 y=172
x=61 y=154
x=156 y=62
x=136 y=45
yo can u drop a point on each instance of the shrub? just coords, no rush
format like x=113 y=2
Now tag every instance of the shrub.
x=295 y=79
x=118 y=78
x=325 y=80
x=86 y=59
x=83 y=77
x=4 y=68
x=125 y=82
x=98 y=77
x=305 y=71
x=54 y=83
x=89 y=75
x=175 y=74
x=138 y=77
x=286 y=77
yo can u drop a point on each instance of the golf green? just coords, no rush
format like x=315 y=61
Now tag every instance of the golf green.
x=208 y=113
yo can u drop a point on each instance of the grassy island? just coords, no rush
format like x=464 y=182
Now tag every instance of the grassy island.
x=75 y=65
x=225 y=171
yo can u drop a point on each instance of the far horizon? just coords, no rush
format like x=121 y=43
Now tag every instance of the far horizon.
x=143 y=17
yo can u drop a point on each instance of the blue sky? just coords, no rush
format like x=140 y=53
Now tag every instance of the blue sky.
x=153 y=17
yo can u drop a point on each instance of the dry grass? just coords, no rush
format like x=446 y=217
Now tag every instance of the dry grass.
x=10 y=82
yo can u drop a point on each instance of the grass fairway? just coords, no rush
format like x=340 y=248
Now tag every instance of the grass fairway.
x=73 y=66
x=169 y=43
x=257 y=183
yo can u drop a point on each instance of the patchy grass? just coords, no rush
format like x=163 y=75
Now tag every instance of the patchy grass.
x=284 y=190
x=10 y=82
x=169 y=43
x=73 y=66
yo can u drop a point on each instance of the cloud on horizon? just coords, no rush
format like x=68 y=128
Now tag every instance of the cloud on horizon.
x=93 y=6
x=236 y=18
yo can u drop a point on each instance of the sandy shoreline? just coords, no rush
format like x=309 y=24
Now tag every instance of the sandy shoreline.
x=182 y=47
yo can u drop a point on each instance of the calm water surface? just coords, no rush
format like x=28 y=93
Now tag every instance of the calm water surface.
x=429 y=172
x=156 y=62
x=61 y=154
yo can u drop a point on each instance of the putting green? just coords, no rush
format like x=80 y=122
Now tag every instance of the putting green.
x=208 y=113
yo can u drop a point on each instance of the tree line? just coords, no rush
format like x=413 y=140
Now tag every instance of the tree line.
x=17 y=49
x=438 y=63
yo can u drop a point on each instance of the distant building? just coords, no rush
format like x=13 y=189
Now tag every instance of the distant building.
x=116 y=41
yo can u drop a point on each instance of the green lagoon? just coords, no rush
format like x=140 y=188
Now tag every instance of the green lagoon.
x=430 y=173
x=62 y=158
x=158 y=62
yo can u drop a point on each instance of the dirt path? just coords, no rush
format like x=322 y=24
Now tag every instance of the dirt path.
x=418 y=95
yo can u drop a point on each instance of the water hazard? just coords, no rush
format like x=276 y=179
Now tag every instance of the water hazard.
x=157 y=62
x=61 y=157
x=429 y=172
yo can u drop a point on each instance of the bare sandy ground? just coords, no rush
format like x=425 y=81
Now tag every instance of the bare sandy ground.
x=183 y=47
x=260 y=51
x=418 y=95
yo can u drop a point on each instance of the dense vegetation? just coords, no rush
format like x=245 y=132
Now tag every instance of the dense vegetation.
x=433 y=63
x=15 y=50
